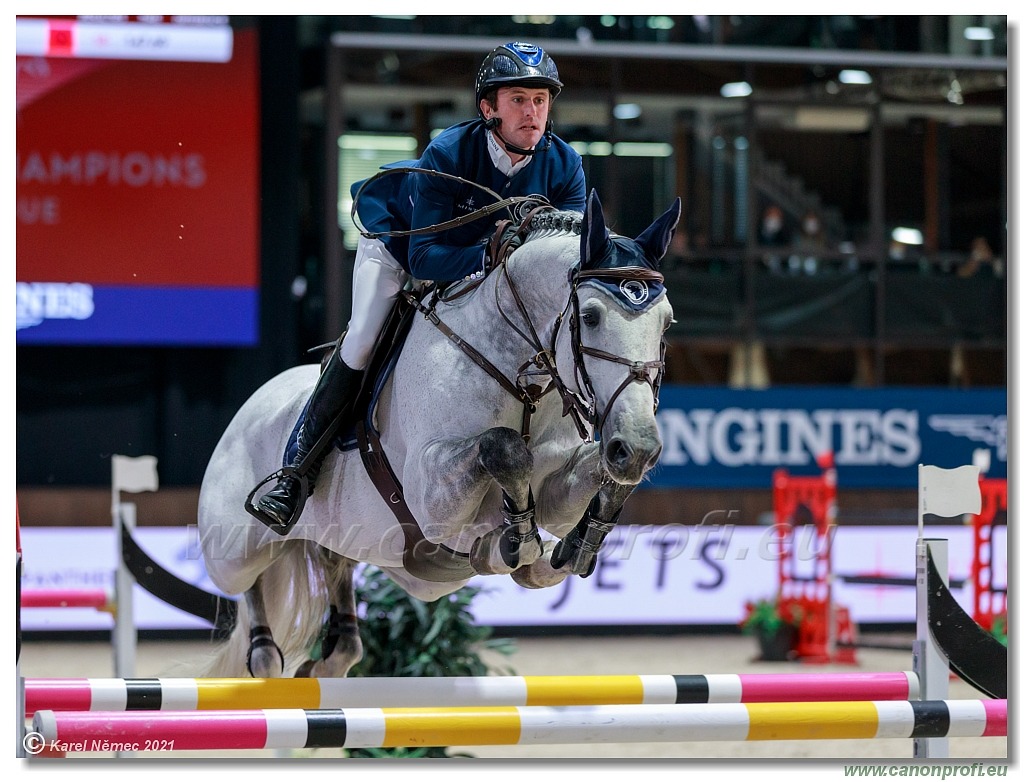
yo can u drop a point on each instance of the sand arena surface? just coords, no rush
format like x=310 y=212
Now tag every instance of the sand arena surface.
x=569 y=655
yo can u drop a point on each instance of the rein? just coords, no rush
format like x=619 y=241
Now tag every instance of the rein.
x=455 y=222
x=527 y=395
x=580 y=411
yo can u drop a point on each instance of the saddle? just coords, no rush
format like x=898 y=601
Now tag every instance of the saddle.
x=382 y=362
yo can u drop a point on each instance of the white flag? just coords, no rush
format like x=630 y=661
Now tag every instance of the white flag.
x=134 y=473
x=949 y=492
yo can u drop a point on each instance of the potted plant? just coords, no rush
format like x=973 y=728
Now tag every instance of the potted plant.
x=776 y=625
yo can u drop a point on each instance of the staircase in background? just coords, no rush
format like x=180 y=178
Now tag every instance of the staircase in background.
x=775 y=184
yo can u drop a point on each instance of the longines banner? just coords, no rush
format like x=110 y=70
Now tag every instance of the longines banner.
x=725 y=438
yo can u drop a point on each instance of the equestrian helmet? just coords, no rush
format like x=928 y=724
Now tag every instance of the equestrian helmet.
x=520 y=64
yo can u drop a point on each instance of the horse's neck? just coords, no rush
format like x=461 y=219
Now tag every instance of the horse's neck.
x=539 y=274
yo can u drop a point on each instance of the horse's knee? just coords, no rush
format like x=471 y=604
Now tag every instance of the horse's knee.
x=503 y=453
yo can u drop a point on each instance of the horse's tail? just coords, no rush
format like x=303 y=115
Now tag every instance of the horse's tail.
x=296 y=589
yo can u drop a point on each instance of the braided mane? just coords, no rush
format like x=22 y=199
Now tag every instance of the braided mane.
x=554 y=222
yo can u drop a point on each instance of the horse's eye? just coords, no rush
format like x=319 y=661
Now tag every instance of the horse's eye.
x=589 y=318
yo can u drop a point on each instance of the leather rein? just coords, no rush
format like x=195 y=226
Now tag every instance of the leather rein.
x=507 y=237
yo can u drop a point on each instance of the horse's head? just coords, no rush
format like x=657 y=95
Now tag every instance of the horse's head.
x=619 y=313
x=595 y=303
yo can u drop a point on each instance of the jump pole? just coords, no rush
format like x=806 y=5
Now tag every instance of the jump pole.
x=944 y=493
x=100 y=599
x=502 y=725
x=131 y=474
x=181 y=694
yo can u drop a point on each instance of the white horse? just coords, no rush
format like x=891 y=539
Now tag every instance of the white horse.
x=525 y=401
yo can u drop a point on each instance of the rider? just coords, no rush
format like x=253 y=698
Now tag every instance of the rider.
x=510 y=149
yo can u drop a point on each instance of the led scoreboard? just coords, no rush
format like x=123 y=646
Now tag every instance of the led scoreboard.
x=137 y=181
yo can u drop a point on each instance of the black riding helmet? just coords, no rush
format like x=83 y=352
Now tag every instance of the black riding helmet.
x=520 y=64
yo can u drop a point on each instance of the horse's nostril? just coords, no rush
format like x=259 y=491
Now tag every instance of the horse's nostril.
x=619 y=453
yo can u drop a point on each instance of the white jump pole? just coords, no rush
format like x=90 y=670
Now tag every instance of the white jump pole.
x=943 y=493
x=128 y=474
x=124 y=635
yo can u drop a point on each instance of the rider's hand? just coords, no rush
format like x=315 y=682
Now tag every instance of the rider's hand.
x=489 y=262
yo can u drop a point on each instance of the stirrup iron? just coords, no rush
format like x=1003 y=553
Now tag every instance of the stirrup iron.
x=285 y=472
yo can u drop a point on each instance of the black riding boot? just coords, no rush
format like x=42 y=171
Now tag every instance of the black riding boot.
x=332 y=400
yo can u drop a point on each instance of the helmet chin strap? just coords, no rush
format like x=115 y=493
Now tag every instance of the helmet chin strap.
x=493 y=123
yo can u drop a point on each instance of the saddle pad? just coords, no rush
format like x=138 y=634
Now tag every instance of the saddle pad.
x=382 y=364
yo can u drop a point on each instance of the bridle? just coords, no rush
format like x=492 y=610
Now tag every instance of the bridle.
x=581 y=406
x=639 y=371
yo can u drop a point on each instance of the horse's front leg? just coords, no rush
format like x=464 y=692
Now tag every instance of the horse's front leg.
x=463 y=475
x=579 y=549
x=578 y=489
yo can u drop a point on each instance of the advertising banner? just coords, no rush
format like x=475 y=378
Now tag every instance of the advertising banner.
x=671 y=575
x=727 y=438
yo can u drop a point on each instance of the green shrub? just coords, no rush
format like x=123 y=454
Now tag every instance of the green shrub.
x=403 y=636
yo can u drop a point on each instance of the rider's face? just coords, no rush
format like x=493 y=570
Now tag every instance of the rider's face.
x=523 y=112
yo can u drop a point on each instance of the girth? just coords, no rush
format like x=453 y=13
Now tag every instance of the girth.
x=421 y=558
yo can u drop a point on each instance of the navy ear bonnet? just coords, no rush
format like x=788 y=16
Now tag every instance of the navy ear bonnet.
x=600 y=250
x=636 y=295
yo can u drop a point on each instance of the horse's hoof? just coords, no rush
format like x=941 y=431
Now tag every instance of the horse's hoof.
x=540 y=574
x=485 y=557
x=265 y=661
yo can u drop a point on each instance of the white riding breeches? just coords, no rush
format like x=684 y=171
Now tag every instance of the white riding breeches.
x=377 y=279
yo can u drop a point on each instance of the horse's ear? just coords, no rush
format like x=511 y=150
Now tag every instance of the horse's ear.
x=656 y=238
x=594 y=233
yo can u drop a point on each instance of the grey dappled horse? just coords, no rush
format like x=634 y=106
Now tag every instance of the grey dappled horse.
x=574 y=320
